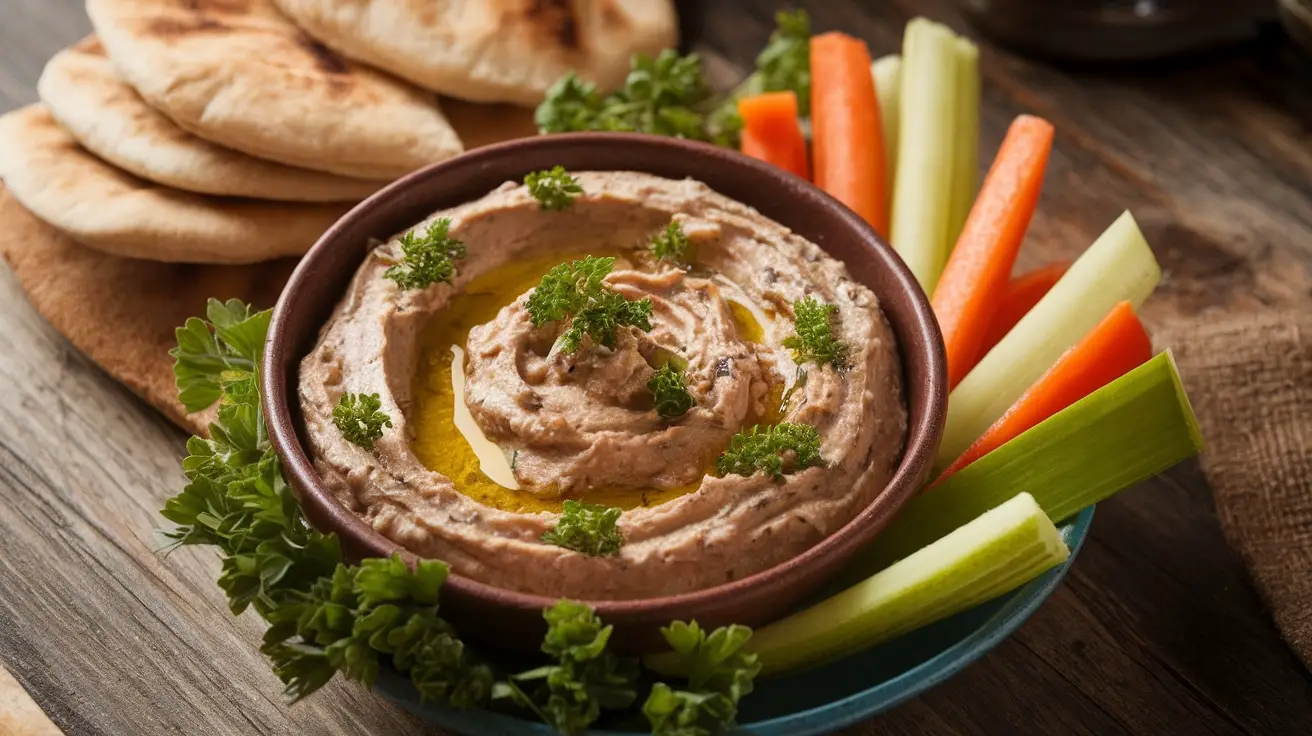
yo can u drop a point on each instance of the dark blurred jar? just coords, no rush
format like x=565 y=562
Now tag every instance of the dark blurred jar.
x=1118 y=30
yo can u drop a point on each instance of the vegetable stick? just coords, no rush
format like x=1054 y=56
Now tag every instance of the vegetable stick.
x=1125 y=432
x=1119 y=266
x=922 y=199
x=965 y=151
x=1020 y=296
x=887 y=71
x=999 y=551
x=970 y=288
x=1113 y=348
x=846 y=133
x=771 y=131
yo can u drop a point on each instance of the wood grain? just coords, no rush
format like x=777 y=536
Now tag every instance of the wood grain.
x=1155 y=632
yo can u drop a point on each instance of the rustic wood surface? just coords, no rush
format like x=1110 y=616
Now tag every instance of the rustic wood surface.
x=1156 y=630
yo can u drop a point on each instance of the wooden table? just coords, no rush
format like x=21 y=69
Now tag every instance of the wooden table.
x=1156 y=630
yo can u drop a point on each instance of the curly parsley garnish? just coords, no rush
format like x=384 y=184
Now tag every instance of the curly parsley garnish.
x=671 y=244
x=666 y=95
x=554 y=190
x=570 y=694
x=719 y=675
x=669 y=391
x=577 y=291
x=587 y=528
x=776 y=450
x=428 y=258
x=815 y=341
x=358 y=418
x=325 y=616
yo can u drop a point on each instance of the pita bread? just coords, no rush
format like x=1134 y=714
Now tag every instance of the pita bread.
x=238 y=73
x=122 y=312
x=496 y=50
x=110 y=119
x=107 y=209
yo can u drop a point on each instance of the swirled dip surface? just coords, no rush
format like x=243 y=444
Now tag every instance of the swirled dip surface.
x=582 y=425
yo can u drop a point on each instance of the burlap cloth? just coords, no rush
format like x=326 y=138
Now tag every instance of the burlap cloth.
x=1250 y=381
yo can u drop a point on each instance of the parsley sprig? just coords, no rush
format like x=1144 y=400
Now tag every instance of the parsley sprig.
x=554 y=189
x=359 y=418
x=325 y=616
x=671 y=244
x=577 y=291
x=720 y=673
x=587 y=528
x=669 y=390
x=427 y=258
x=815 y=341
x=585 y=678
x=776 y=451
x=665 y=95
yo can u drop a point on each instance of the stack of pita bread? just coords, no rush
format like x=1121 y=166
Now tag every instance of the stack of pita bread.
x=188 y=142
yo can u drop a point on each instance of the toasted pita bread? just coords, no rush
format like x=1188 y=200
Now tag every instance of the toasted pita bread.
x=110 y=210
x=238 y=73
x=121 y=312
x=110 y=119
x=491 y=51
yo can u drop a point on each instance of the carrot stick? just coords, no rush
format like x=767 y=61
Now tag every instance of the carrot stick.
x=771 y=131
x=1018 y=298
x=969 y=289
x=1117 y=345
x=846 y=132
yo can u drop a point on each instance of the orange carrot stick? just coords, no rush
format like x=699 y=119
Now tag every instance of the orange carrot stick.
x=1018 y=298
x=968 y=292
x=846 y=133
x=771 y=131
x=1117 y=344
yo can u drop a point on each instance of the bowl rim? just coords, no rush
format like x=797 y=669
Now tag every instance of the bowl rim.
x=918 y=453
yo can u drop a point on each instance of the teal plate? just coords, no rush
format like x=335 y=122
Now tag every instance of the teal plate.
x=831 y=697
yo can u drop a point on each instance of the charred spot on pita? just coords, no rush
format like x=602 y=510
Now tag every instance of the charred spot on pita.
x=324 y=58
x=556 y=18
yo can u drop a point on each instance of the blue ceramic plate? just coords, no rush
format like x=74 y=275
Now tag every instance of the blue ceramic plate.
x=834 y=696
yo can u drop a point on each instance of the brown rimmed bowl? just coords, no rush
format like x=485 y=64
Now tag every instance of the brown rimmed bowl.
x=511 y=619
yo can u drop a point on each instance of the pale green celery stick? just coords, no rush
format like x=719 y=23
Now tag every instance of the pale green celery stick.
x=999 y=551
x=922 y=191
x=887 y=71
x=1119 y=266
x=965 y=154
x=1131 y=429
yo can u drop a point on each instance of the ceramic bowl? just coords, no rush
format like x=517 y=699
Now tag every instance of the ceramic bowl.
x=512 y=619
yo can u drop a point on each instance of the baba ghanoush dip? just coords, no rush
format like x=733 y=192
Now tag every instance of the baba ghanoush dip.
x=604 y=386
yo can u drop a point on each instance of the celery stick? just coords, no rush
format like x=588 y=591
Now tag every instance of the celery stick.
x=997 y=552
x=922 y=193
x=1129 y=430
x=965 y=153
x=1119 y=266
x=887 y=71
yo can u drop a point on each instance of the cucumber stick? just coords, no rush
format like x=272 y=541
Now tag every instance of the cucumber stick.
x=965 y=140
x=1119 y=266
x=922 y=193
x=887 y=71
x=997 y=552
x=1129 y=430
